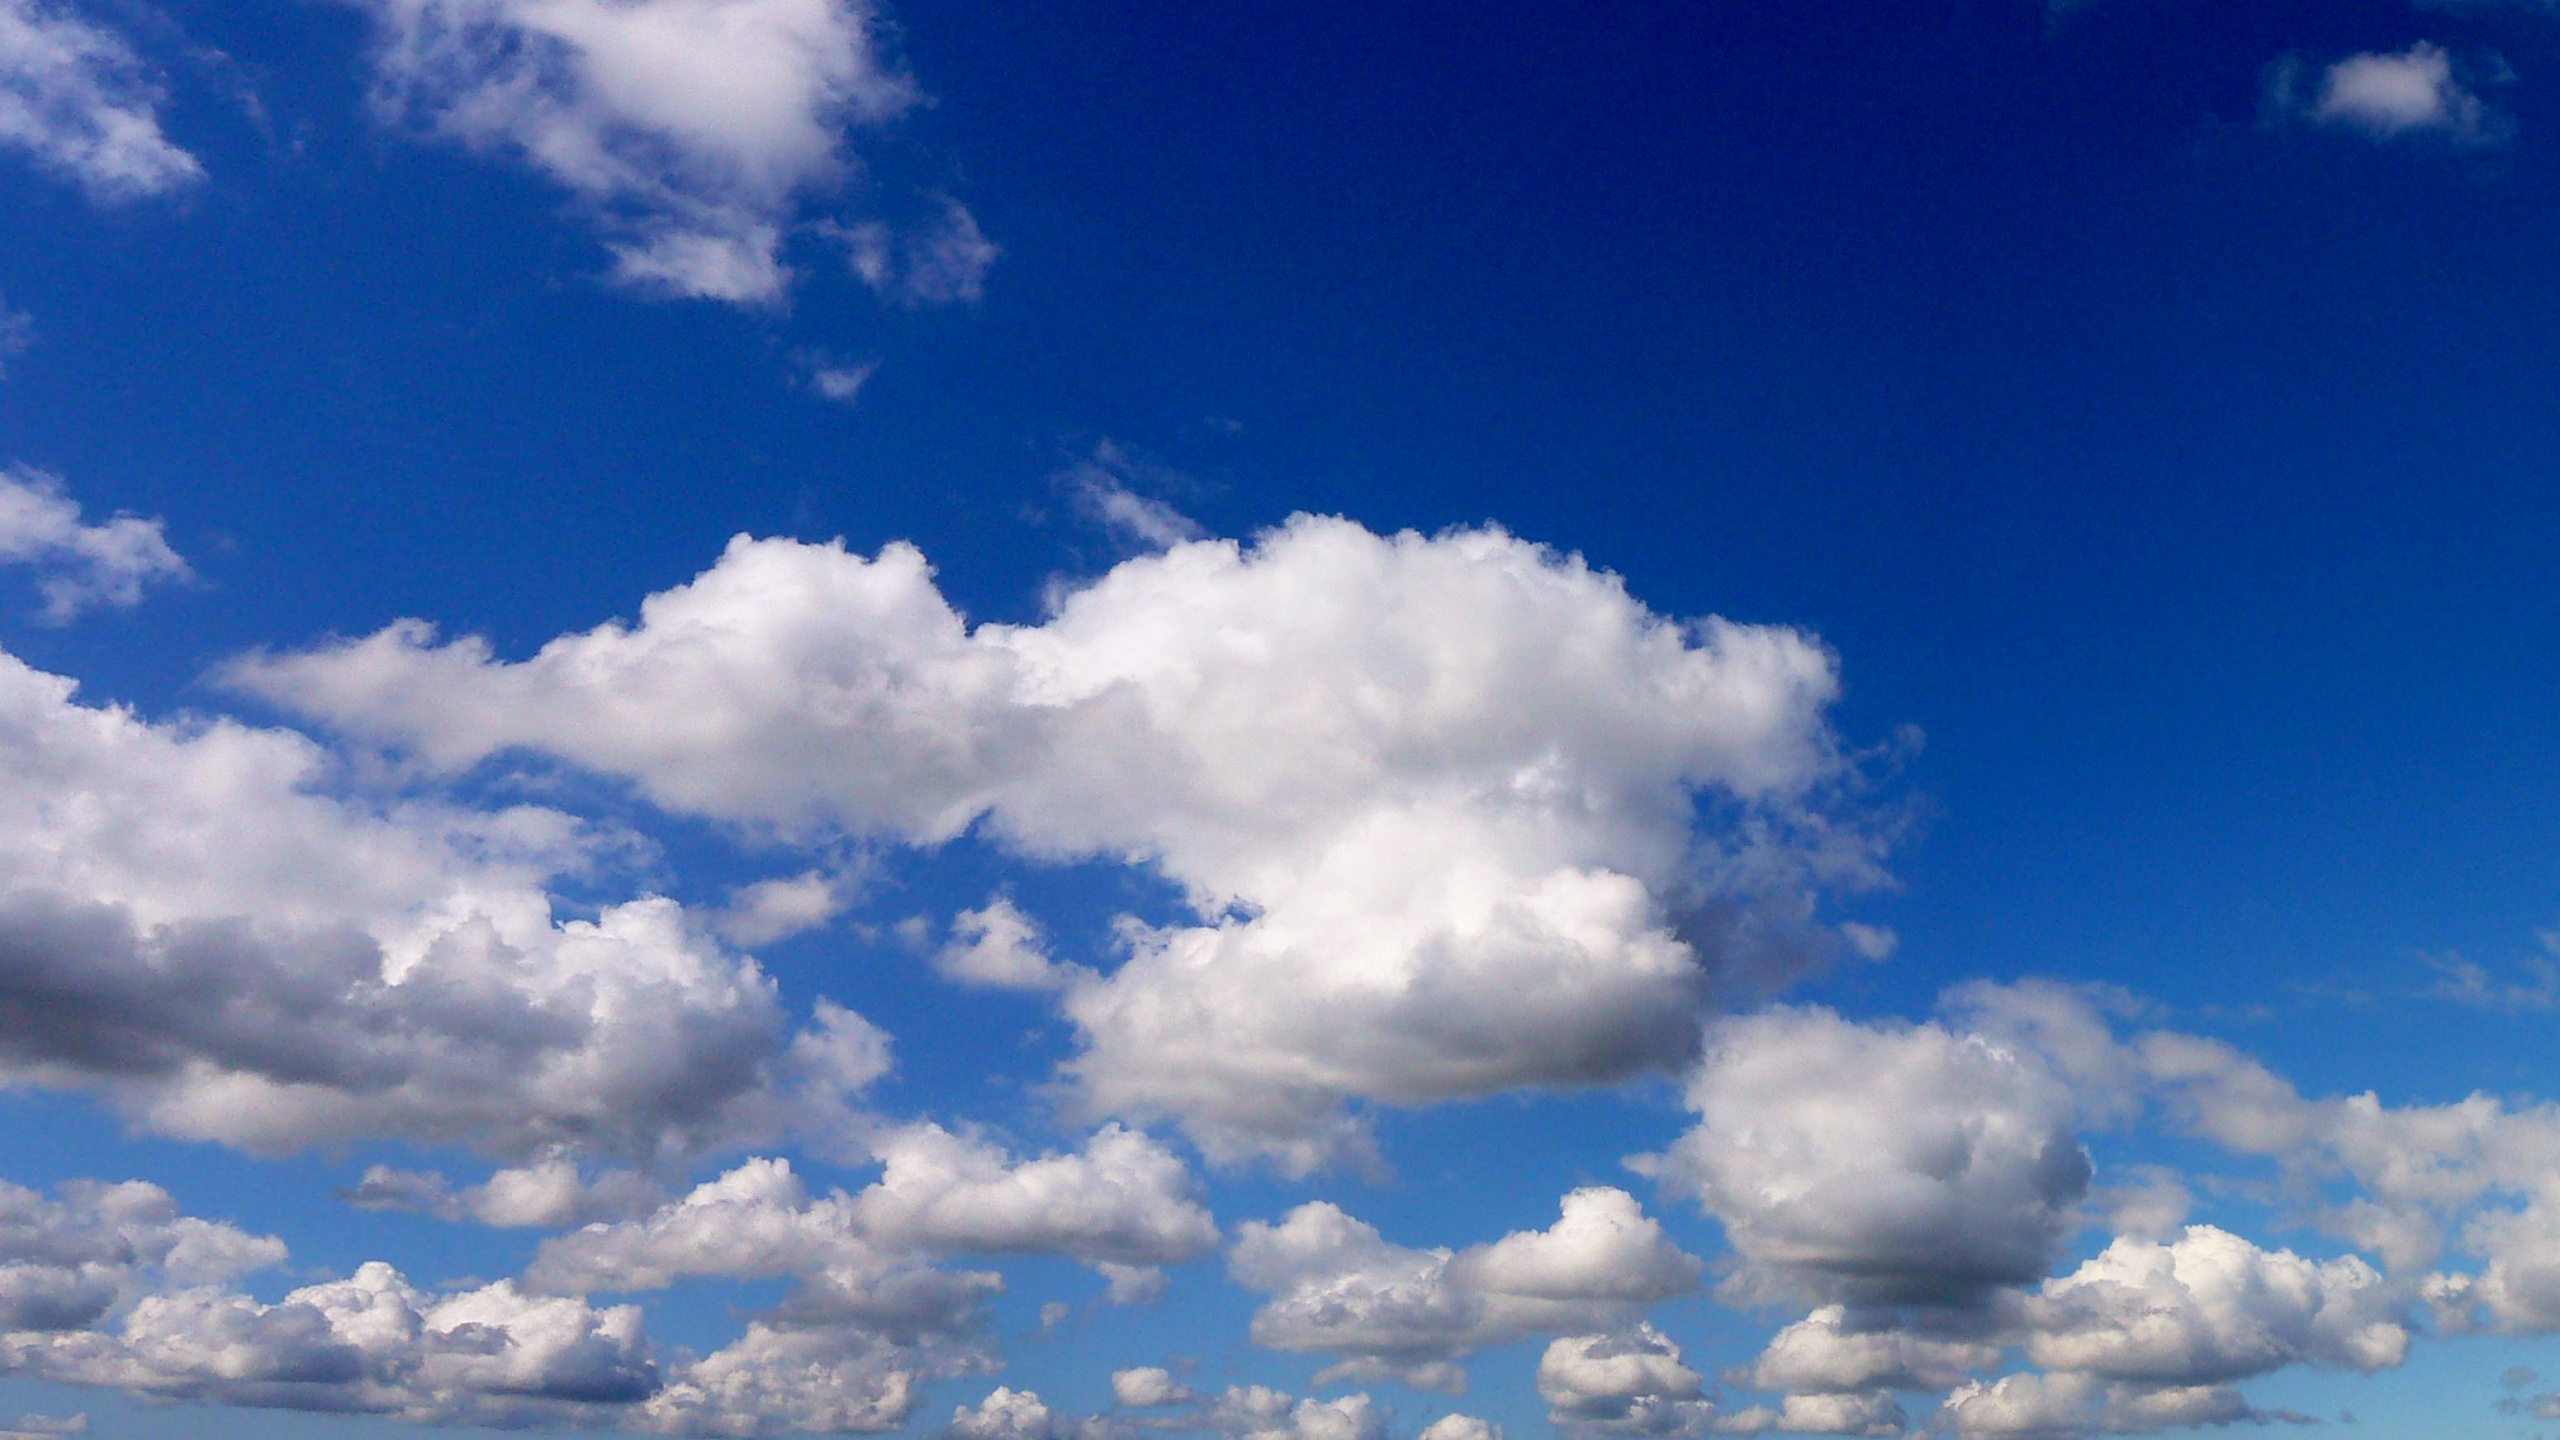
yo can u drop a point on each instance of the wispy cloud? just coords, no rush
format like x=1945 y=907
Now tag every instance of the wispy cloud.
x=77 y=99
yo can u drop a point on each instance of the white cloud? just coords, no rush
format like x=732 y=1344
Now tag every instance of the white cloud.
x=1109 y=488
x=2209 y=1307
x=1628 y=1383
x=547 y=1194
x=1878 y=1164
x=837 y=380
x=191 y=926
x=1123 y=1200
x=1123 y=1204
x=692 y=128
x=2416 y=1172
x=997 y=947
x=1147 y=1386
x=1437 y=803
x=770 y=910
x=1390 y=1311
x=1460 y=1427
x=109 y=1285
x=1825 y=1354
x=943 y=262
x=76 y=98
x=2385 y=96
x=82 y=566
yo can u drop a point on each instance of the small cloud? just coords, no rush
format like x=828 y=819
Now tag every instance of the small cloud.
x=17 y=334
x=997 y=947
x=835 y=380
x=771 y=910
x=2466 y=982
x=82 y=565
x=1105 y=489
x=1871 y=942
x=45 y=1427
x=943 y=262
x=2413 y=92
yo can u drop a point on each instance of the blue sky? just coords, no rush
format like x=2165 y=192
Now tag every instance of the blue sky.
x=1205 y=865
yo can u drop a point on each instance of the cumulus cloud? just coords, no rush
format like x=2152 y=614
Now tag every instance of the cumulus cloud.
x=192 y=926
x=1628 y=1383
x=2476 y=1170
x=1878 y=1164
x=1147 y=1386
x=997 y=947
x=80 y=566
x=1824 y=1353
x=2387 y=96
x=110 y=1285
x=2210 y=1307
x=76 y=99
x=1455 y=815
x=1122 y=1204
x=691 y=129
x=1388 y=1310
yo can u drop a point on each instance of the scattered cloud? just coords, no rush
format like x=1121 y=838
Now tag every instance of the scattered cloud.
x=1877 y=1164
x=2414 y=92
x=1109 y=487
x=1392 y=1312
x=944 y=261
x=691 y=130
x=76 y=99
x=193 y=928
x=17 y=335
x=838 y=381
x=80 y=566
x=1465 y=765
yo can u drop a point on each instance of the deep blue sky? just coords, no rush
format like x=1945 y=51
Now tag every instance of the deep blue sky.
x=2180 y=469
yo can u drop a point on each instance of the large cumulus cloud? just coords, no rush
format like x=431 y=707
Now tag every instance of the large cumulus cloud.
x=1453 y=815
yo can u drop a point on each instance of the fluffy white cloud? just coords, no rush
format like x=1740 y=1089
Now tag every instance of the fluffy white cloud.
x=192 y=926
x=1123 y=1200
x=1254 y=1412
x=1440 y=804
x=1146 y=1386
x=1338 y=1287
x=1873 y=1412
x=1628 y=1383
x=1824 y=1353
x=998 y=947
x=66 y=1262
x=82 y=565
x=692 y=128
x=2209 y=1307
x=2411 y=92
x=1887 y=1164
x=109 y=1285
x=2031 y=1406
x=1460 y=1427
x=76 y=98
x=1123 y=1204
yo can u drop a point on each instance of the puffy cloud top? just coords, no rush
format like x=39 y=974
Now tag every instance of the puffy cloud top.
x=1449 y=788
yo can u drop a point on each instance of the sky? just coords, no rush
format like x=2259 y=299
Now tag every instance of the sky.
x=1422 y=722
